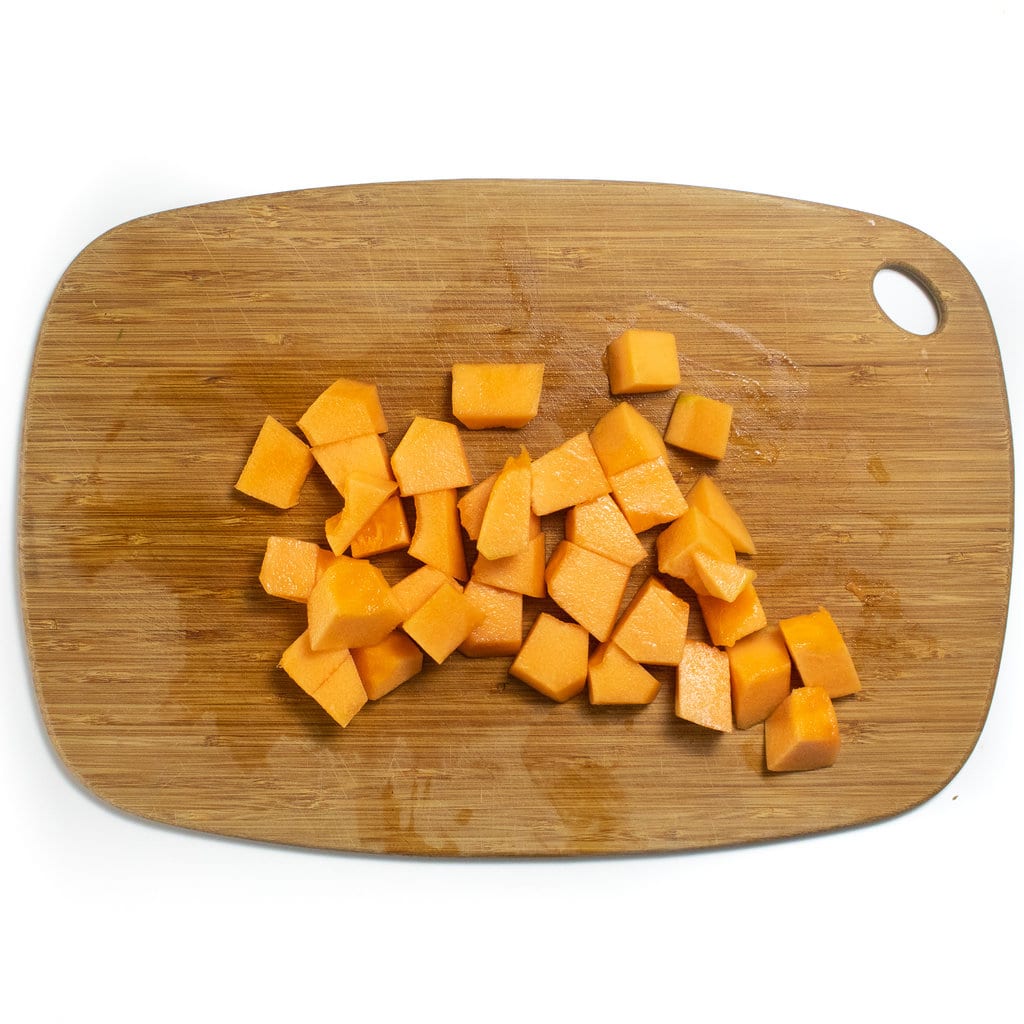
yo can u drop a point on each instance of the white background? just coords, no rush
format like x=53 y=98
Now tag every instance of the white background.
x=115 y=110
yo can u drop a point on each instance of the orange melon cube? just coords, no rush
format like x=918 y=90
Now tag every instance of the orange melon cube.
x=500 y=631
x=307 y=667
x=505 y=529
x=496 y=394
x=553 y=658
x=351 y=606
x=348 y=408
x=566 y=476
x=681 y=539
x=289 y=568
x=648 y=495
x=386 y=530
x=599 y=525
x=820 y=653
x=412 y=590
x=613 y=677
x=366 y=453
x=522 y=573
x=430 y=457
x=363 y=496
x=436 y=537
x=385 y=665
x=721 y=579
x=443 y=621
x=640 y=360
x=623 y=438
x=342 y=693
x=706 y=495
x=701 y=425
x=473 y=504
x=802 y=733
x=729 y=621
x=703 y=694
x=652 y=629
x=277 y=466
x=760 y=672
x=325 y=558
x=588 y=586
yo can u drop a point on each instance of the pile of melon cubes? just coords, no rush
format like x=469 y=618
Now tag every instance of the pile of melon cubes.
x=365 y=637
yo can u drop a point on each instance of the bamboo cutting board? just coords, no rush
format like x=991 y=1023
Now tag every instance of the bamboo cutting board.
x=873 y=467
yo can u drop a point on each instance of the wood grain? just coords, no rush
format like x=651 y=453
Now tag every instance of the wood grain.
x=873 y=467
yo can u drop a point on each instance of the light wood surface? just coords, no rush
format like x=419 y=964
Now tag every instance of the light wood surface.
x=873 y=467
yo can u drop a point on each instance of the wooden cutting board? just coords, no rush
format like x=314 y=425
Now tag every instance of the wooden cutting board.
x=873 y=467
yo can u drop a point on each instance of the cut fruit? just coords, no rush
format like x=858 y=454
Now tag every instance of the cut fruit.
x=553 y=658
x=566 y=476
x=496 y=394
x=760 y=671
x=640 y=360
x=430 y=457
x=506 y=528
x=613 y=677
x=730 y=621
x=820 y=653
x=385 y=665
x=718 y=578
x=436 y=537
x=648 y=495
x=309 y=668
x=500 y=632
x=588 y=586
x=348 y=408
x=342 y=694
x=522 y=573
x=290 y=567
x=443 y=621
x=600 y=526
x=364 y=495
x=706 y=495
x=703 y=694
x=802 y=733
x=277 y=466
x=652 y=629
x=701 y=425
x=623 y=438
x=351 y=606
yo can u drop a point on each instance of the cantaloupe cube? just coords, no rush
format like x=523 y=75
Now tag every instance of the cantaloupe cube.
x=473 y=504
x=506 y=529
x=701 y=425
x=553 y=658
x=351 y=606
x=436 y=537
x=820 y=653
x=348 y=408
x=613 y=677
x=496 y=394
x=366 y=453
x=652 y=629
x=599 y=525
x=703 y=694
x=325 y=558
x=721 y=579
x=412 y=590
x=588 y=586
x=385 y=665
x=760 y=671
x=567 y=475
x=802 y=733
x=623 y=438
x=307 y=667
x=522 y=573
x=342 y=693
x=641 y=360
x=277 y=466
x=386 y=530
x=443 y=621
x=500 y=632
x=706 y=495
x=363 y=496
x=729 y=621
x=648 y=495
x=678 y=542
x=430 y=457
x=289 y=568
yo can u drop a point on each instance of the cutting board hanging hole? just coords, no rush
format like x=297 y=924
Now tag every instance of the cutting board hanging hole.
x=907 y=300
